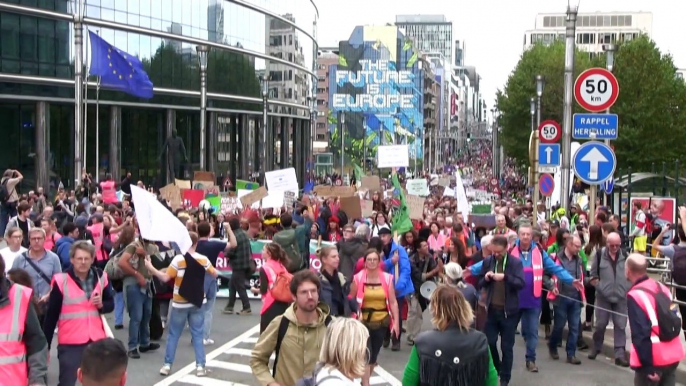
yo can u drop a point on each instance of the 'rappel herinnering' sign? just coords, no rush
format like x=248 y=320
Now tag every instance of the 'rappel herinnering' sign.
x=382 y=84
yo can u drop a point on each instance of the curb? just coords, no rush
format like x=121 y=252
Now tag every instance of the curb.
x=609 y=351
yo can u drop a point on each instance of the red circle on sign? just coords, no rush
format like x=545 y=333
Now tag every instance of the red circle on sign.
x=583 y=77
x=494 y=182
x=549 y=132
x=546 y=184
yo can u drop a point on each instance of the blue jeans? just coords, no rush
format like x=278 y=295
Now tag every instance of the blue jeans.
x=139 y=306
x=499 y=325
x=208 y=308
x=177 y=321
x=6 y=212
x=568 y=312
x=119 y=308
x=529 y=319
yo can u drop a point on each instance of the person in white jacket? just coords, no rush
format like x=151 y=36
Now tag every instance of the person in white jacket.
x=343 y=354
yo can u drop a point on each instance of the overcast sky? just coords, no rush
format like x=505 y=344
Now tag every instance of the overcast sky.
x=493 y=30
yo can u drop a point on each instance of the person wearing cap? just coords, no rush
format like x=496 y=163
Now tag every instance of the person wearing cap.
x=397 y=263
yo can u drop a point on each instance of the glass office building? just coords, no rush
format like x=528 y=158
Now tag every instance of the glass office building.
x=254 y=45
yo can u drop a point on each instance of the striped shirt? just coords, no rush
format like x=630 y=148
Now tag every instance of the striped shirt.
x=176 y=270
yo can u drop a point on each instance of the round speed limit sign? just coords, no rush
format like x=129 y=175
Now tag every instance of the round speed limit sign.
x=596 y=89
x=549 y=132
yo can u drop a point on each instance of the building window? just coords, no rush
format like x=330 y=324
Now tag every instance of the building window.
x=321 y=137
x=585 y=38
x=322 y=78
x=321 y=90
x=627 y=20
x=546 y=21
x=321 y=125
x=321 y=113
x=607 y=38
x=320 y=102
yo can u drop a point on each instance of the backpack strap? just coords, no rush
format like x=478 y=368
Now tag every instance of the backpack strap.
x=328 y=320
x=283 y=328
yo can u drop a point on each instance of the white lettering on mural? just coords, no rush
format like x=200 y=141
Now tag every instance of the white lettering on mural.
x=386 y=89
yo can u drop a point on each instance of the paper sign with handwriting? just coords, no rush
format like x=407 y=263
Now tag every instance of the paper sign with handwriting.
x=393 y=156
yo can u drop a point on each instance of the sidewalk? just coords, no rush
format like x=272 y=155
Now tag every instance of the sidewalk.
x=608 y=349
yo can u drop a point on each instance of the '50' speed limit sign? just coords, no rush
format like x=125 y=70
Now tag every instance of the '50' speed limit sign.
x=596 y=89
x=549 y=132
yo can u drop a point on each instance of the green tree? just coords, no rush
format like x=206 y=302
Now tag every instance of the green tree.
x=514 y=100
x=651 y=106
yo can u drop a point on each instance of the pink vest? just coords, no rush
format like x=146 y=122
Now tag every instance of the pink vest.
x=109 y=194
x=80 y=321
x=386 y=282
x=13 y=367
x=98 y=231
x=664 y=353
x=536 y=264
x=551 y=296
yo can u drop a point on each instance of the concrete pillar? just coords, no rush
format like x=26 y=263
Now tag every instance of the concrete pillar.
x=170 y=126
x=42 y=133
x=212 y=139
x=283 y=138
x=115 y=142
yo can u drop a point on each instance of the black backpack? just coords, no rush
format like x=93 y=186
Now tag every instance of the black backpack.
x=679 y=265
x=669 y=323
x=283 y=328
x=4 y=193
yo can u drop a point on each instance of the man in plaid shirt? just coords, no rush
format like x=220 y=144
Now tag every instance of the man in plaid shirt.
x=239 y=260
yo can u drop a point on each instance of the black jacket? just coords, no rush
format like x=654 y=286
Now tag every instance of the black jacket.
x=33 y=338
x=514 y=282
x=54 y=310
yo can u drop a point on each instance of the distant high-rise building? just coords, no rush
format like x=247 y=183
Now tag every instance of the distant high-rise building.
x=285 y=83
x=326 y=56
x=430 y=33
x=593 y=30
x=459 y=53
x=215 y=21
x=176 y=29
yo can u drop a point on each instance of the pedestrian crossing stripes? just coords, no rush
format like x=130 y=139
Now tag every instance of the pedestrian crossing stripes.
x=230 y=366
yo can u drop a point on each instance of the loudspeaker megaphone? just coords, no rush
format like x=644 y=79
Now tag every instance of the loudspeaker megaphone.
x=427 y=289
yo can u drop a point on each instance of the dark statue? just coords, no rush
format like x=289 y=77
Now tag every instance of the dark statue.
x=176 y=156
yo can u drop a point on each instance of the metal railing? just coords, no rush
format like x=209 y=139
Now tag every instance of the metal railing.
x=662 y=267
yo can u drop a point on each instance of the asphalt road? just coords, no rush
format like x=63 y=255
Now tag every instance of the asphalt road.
x=235 y=336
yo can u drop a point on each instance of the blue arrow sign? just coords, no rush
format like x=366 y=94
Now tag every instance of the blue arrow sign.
x=594 y=162
x=595 y=126
x=609 y=185
x=549 y=154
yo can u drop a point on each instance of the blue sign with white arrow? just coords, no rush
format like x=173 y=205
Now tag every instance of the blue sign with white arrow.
x=549 y=155
x=594 y=163
x=595 y=126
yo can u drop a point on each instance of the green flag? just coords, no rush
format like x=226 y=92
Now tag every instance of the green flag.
x=401 y=219
x=358 y=173
x=246 y=185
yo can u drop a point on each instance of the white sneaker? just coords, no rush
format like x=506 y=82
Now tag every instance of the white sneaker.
x=165 y=370
x=207 y=342
x=201 y=371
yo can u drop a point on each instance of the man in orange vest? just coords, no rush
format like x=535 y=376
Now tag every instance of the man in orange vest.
x=653 y=358
x=77 y=300
x=23 y=349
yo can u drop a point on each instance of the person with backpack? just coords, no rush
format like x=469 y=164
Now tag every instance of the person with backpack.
x=294 y=357
x=273 y=275
x=8 y=196
x=656 y=348
x=288 y=237
x=607 y=276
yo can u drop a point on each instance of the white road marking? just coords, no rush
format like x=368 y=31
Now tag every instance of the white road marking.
x=184 y=374
x=219 y=351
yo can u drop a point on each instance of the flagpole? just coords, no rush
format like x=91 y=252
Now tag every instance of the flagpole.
x=97 y=132
x=85 y=107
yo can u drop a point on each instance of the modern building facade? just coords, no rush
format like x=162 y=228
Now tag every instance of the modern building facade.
x=378 y=86
x=119 y=133
x=327 y=56
x=430 y=33
x=593 y=30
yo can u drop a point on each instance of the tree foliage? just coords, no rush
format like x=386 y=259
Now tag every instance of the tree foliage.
x=651 y=104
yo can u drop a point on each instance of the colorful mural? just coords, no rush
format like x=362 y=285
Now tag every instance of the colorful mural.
x=378 y=85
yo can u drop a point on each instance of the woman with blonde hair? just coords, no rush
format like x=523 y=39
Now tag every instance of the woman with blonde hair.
x=335 y=287
x=343 y=357
x=452 y=354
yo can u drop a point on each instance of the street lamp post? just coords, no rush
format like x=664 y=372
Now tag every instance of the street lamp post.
x=610 y=50
x=342 y=143
x=540 y=85
x=570 y=46
x=202 y=62
x=265 y=109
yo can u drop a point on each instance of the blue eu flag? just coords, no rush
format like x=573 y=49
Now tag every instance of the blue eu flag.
x=117 y=69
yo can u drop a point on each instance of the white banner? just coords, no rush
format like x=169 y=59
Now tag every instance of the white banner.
x=393 y=156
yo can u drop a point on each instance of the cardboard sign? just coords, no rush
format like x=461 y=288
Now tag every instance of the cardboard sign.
x=418 y=187
x=371 y=183
x=254 y=196
x=367 y=207
x=416 y=206
x=444 y=182
x=334 y=191
x=204 y=176
x=182 y=184
x=172 y=193
x=351 y=207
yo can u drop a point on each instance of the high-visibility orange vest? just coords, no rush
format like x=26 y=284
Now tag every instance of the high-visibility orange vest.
x=79 y=321
x=536 y=265
x=13 y=368
x=664 y=353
